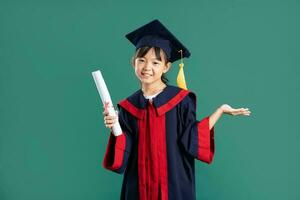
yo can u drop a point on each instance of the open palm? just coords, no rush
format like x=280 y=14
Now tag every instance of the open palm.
x=227 y=109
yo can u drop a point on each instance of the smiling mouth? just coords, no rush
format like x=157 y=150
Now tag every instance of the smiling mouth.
x=145 y=74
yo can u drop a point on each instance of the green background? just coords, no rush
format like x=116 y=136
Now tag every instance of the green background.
x=52 y=137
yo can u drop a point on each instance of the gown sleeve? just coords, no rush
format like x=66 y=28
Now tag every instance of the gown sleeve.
x=197 y=139
x=119 y=147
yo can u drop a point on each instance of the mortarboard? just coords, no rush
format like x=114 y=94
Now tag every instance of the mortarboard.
x=156 y=34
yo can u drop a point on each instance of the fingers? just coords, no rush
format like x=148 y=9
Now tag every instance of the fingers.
x=106 y=113
x=245 y=111
x=110 y=118
x=241 y=111
x=106 y=106
x=109 y=121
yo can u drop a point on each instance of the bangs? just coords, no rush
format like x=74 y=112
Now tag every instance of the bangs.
x=141 y=52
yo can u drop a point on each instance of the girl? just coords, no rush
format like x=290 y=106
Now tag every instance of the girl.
x=161 y=137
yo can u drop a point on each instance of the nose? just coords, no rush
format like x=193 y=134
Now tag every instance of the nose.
x=147 y=66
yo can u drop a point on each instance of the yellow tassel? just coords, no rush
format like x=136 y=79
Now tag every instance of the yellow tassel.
x=180 y=77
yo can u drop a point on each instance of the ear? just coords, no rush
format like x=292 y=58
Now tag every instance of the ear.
x=167 y=67
x=132 y=62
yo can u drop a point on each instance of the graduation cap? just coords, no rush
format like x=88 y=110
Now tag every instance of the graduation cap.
x=156 y=34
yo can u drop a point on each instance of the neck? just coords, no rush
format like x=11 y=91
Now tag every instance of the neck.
x=151 y=89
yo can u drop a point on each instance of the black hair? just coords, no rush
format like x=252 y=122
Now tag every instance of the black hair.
x=142 y=51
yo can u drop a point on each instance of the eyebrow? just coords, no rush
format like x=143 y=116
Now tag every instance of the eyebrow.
x=156 y=59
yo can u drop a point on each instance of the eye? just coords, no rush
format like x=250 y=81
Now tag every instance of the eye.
x=155 y=63
x=141 y=60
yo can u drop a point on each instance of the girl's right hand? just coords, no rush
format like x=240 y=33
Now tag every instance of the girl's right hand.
x=109 y=120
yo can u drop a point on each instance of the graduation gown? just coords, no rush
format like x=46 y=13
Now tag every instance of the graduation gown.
x=159 y=145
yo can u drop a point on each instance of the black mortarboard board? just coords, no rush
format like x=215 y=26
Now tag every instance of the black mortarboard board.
x=156 y=34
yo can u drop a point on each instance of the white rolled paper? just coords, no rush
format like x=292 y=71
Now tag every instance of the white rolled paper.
x=105 y=97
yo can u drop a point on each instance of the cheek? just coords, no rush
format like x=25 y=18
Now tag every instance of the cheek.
x=138 y=66
x=158 y=70
x=137 y=70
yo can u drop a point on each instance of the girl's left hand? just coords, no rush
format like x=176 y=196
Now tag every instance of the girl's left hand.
x=227 y=109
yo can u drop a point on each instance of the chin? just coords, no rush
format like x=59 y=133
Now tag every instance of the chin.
x=146 y=82
x=149 y=79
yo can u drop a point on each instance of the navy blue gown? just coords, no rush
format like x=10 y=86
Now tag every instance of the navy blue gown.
x=159 y=145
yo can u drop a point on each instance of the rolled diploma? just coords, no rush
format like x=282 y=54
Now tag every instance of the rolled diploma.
x=105 y=97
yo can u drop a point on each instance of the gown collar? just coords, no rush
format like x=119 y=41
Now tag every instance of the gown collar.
x=136 y=104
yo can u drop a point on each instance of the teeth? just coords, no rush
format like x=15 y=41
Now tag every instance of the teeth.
x=146 y=74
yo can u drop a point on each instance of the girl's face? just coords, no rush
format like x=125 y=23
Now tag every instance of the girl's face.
x=149 y=69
